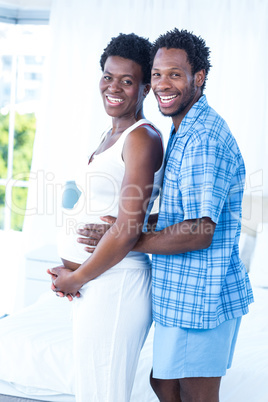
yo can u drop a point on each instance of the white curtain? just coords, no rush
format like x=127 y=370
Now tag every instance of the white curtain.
x=73 y=118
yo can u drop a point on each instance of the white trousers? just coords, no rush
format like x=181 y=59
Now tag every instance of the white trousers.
x=111 y=321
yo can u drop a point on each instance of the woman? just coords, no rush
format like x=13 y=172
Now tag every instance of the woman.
x=113 y=315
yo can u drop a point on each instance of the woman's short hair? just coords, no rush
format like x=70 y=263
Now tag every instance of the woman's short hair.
x=132 y=47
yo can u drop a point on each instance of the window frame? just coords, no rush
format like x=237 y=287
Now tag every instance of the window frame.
x=16 y=15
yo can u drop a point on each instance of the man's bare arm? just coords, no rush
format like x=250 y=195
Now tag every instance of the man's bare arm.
x=189 y=235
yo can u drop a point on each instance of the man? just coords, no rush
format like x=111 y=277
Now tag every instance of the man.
x=200 y=286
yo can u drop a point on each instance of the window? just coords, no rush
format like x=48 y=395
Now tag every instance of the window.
x=23 y=49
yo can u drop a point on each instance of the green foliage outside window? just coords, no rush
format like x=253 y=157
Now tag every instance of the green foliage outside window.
x=23 y=145
x=25 y=126
x=2 y=206
x=19 y=200
x=4 y=121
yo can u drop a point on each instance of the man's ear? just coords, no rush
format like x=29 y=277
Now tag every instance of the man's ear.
x=146 y=90
x=200 y=78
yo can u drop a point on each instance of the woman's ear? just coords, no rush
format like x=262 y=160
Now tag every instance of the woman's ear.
x=146 y=90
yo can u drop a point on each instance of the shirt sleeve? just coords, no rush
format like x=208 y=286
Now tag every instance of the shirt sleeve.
x=204 y=179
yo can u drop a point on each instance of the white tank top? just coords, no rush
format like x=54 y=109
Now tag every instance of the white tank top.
x=100 y=190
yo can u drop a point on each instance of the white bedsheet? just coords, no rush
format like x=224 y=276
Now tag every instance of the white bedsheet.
x=40 y=359
x=35 y=347
x=36 y=354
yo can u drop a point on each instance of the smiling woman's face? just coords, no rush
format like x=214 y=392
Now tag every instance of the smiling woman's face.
x=121 y=87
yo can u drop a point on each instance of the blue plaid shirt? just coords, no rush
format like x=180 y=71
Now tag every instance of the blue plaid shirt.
x=204 y=177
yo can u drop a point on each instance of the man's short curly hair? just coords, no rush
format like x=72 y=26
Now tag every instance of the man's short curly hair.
x=132 y=47
x=197 y=52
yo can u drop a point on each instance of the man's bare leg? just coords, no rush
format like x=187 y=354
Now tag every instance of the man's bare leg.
x=166 y=390
x=199 y=389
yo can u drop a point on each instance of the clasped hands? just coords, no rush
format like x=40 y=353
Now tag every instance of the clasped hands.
x=63 y=279
x=63 y=282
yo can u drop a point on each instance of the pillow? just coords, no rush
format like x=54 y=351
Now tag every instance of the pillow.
x=258 y=272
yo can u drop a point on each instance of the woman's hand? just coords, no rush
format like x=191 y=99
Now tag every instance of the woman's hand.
x=64 y=282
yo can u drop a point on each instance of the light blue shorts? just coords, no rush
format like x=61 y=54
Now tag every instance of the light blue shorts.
x=182 y=352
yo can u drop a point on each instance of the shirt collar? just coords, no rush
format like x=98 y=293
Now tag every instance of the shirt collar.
x=190 y=117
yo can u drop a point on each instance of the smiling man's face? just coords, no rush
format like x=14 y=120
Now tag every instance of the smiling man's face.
x=173 y=83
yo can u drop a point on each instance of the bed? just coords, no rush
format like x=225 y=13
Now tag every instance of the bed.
x=39 y=365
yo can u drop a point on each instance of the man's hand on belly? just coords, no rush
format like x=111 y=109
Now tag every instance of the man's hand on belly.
x=93 y=232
